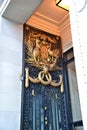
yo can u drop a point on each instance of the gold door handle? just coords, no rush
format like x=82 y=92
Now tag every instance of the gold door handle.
x=26 y=77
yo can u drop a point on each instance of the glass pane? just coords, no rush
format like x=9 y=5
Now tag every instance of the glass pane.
x=79 y=128
x=74 y=95
x=70 y=55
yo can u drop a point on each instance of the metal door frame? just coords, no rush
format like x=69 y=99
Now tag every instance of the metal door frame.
x=71 y=124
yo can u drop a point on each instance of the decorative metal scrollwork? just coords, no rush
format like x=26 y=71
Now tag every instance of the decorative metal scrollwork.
x=40 y=79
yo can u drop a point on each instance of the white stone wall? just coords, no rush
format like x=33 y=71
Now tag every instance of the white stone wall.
x=78 y=12
x=11 y=40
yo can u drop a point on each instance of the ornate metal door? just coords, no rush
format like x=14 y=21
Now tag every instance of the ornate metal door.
x=43 y=94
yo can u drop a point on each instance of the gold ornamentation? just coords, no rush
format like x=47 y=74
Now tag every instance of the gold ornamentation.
x=48 y=77
x=43 y=52
x=40 y=79
x=26 y=77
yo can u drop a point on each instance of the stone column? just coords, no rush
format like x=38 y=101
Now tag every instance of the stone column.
x=78 y=13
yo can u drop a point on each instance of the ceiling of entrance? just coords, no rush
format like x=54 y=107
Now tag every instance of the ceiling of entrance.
x=49 y=11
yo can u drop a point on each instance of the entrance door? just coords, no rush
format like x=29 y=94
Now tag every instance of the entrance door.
x=43 y=106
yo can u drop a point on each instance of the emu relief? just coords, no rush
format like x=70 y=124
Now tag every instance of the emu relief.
x=43 y=51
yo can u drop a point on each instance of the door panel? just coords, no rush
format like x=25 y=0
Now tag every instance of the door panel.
x=73 y=89
x=43 y=105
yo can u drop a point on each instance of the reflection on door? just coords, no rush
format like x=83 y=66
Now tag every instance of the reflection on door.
x=43 y=105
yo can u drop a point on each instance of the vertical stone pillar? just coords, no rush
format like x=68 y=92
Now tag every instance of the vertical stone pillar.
x=78 y=13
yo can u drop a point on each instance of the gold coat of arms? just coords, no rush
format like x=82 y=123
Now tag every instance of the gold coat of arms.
x=42 y=52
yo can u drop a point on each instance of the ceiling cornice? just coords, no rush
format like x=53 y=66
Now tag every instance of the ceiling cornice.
x=64 y=19
x=39 y=15
x=44 y=24
x=65 y=24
